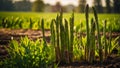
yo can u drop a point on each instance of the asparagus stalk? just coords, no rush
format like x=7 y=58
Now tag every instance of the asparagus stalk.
x=58 y=55
x=43 y=32
x=71 y=37
x=98 y=35
x=105 y=40
x=87 y=28
x=92 y=43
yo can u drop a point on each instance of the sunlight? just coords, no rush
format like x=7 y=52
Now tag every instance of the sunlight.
x=90 y=2
x=67 y=2
x=64 y=2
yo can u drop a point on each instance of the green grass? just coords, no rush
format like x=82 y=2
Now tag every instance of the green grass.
x=48 y=16
x=79 y=18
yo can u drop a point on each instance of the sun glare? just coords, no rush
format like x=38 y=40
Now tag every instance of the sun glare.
x=64 y=2
x=89 y=2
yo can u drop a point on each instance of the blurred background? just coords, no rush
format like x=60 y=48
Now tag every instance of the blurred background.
x=102 y=6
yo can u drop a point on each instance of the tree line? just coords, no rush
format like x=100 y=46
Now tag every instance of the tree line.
x=112 y=6
x=22 y=5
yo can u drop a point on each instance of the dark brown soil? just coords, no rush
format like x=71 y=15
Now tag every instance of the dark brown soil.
x=112 y=61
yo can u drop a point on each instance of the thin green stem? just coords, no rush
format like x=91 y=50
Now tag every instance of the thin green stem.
x=98 y=35
x=87 y=28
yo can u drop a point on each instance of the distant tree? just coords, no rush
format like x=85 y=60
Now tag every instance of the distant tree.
x=38 y=6
x=108 y=6
x=70 y=8
x=24 y=5
x=57 y=7
x=98 y=5
x=6 y=5
x=82 y=4
x=116 y=6
x=48 y=8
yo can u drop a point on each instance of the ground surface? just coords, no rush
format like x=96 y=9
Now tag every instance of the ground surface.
x=113 y=61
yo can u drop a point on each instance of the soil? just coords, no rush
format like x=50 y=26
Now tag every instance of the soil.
x=112 y=61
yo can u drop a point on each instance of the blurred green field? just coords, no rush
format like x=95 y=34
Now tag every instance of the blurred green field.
x=79 y=18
